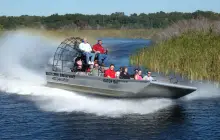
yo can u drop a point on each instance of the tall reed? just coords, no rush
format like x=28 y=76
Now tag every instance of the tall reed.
x=190 y=48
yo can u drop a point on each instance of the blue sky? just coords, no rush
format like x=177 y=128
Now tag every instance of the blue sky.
x=48 y=7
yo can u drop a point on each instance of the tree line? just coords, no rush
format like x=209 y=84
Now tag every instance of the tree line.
x=117 y=20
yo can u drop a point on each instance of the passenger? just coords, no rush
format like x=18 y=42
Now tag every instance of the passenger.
x=110 y=73
x=137 y=76
x=148 y=77
x=135 y=72
x=95 y=70
x=121 y=69
x=95 y=62
x=89 y=68
x=79 y=65
x=87 y=49
x=102 y=69
x=101 y=52
x=118 y=72
x=124 y=74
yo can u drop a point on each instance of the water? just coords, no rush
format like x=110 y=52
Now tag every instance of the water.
x=29 y=110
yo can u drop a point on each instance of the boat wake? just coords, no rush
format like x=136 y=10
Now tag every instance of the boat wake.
x=205 y=90
x=22 y=60
x=58 y=100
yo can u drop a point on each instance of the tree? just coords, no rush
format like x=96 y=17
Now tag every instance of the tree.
x=114 y=20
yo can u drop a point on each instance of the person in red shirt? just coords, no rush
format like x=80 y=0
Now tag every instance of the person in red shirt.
x=110 y=73
x=100 y=51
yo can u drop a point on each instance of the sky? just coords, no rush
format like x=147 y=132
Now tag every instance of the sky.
x=48 y=7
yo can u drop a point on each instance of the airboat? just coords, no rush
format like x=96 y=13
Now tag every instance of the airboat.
x=60 y=74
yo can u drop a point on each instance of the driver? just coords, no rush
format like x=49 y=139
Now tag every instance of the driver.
x=100 y=51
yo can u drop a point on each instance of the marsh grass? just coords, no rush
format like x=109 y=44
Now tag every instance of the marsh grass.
x=92 y=35
x=192 y=51
x=129 y=33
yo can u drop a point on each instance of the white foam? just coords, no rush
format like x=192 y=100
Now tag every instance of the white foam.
x=58 y=100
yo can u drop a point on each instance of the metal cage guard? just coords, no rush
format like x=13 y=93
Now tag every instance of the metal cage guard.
x=65 y=54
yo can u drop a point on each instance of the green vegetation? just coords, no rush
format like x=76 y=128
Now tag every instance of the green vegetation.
x=93 y=26
x=190 y=48
x=116 y=20
x=92 y=35
x=1 y=27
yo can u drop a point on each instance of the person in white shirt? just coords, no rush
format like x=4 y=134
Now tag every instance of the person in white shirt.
x=148 y=77
x=87 y=49
x=117 y=74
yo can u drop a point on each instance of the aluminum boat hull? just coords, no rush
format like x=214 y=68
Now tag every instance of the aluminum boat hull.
x=117 y=88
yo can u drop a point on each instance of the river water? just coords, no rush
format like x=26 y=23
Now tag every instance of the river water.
x=29 y=110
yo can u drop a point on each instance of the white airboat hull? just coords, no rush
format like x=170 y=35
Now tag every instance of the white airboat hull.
x=118 y=88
